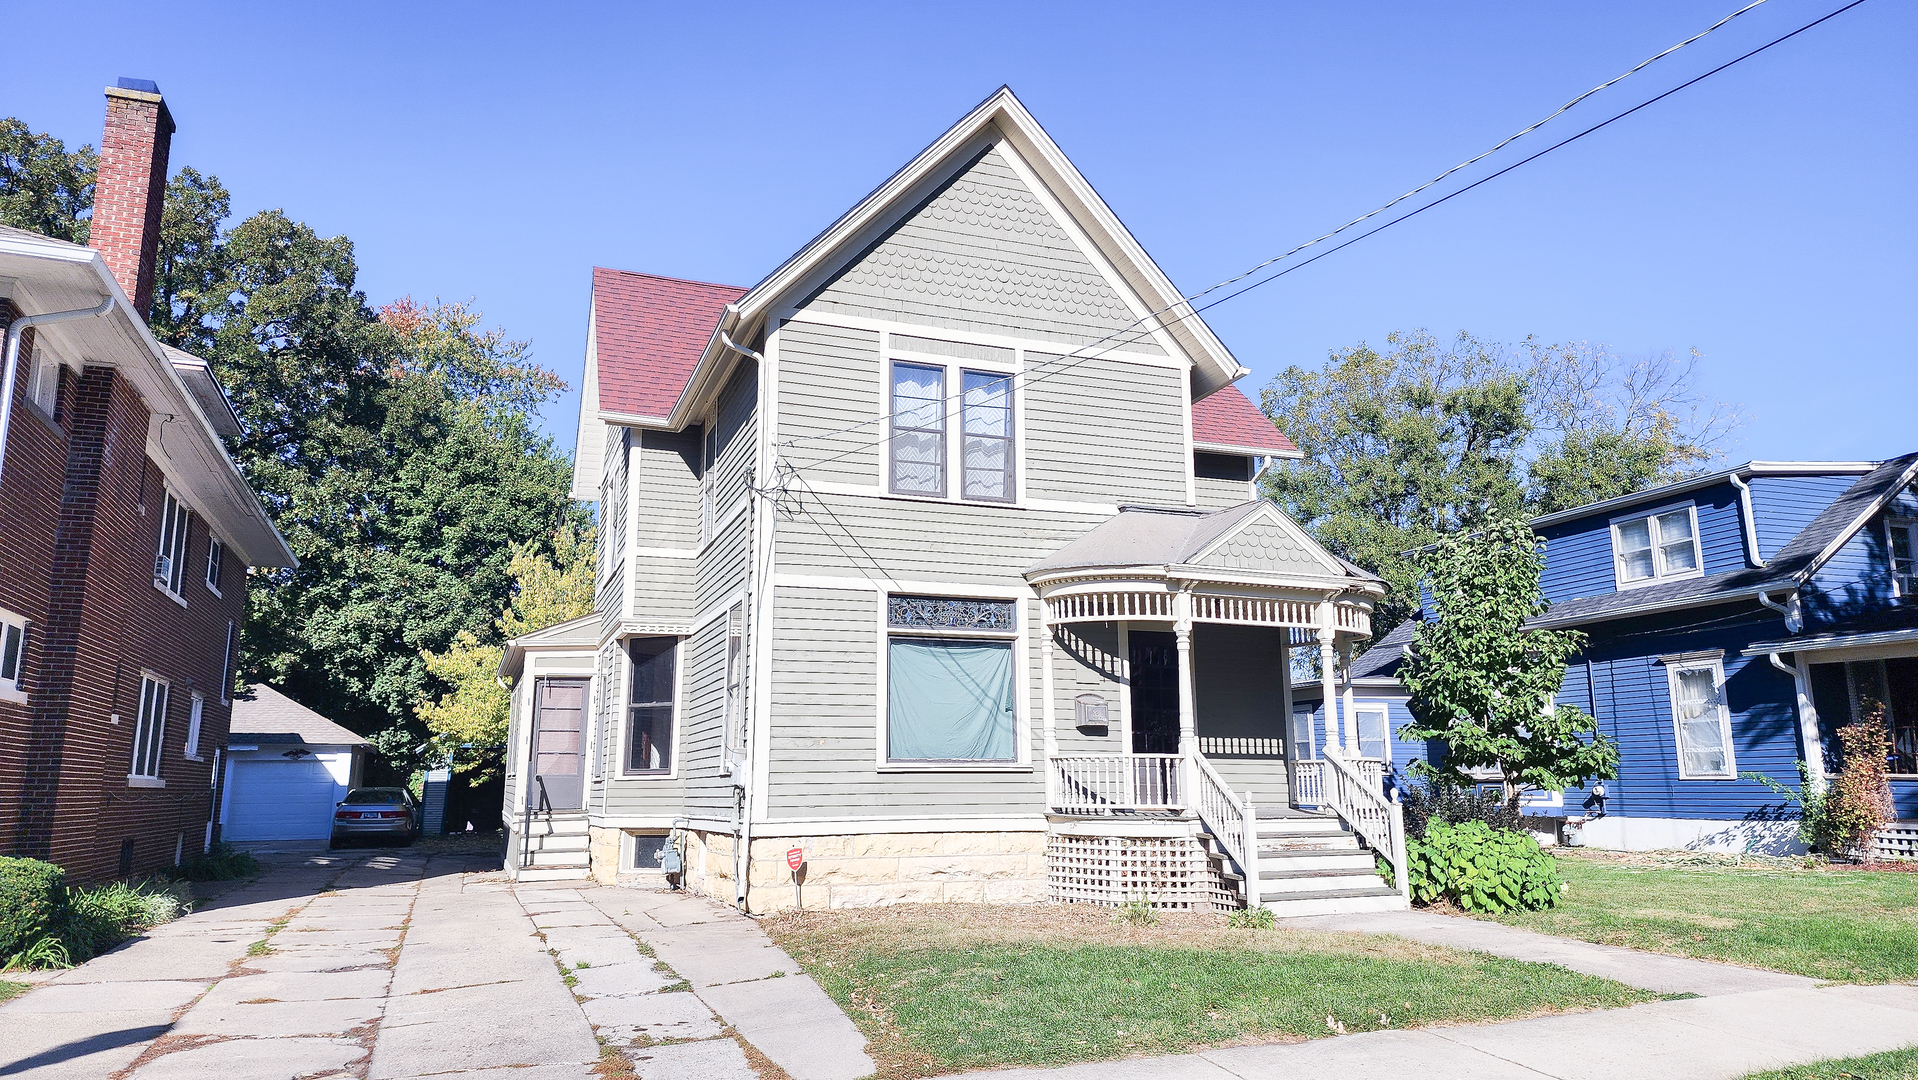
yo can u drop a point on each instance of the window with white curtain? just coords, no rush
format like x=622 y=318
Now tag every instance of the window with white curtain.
x=918 y=443
x=1657 y=547
x=1701 y=721
x=986 y=433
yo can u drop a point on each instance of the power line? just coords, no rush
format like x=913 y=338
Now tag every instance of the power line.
x=1560 y=111
x=1077 y=359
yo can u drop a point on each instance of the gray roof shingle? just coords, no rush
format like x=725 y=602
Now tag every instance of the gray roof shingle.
x=266 y=716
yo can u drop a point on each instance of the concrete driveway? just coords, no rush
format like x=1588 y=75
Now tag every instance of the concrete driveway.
x=398 y=964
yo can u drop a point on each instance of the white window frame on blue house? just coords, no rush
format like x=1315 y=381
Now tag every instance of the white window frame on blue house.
x=1661 y=572
x=1904 y=569
x=1715 y=667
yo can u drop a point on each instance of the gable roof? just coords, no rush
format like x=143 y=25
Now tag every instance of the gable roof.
x=1153 y=536
x=1794 y=564
x=265 y=716
x=1381 y=661
x=1227 y=420
x=579 y=634
x=648 y=334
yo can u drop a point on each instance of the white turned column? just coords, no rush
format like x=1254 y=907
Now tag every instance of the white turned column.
x=1351 y=715
x=1046 y=708
x=1328 y=671
x=1188 y=700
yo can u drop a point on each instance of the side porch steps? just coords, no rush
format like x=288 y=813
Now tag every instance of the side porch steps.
x=1310 y=864
x=556 y=847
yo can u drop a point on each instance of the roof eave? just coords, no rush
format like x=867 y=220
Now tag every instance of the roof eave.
x=1546 y=622
x=1253 y=451
x=1678 y=487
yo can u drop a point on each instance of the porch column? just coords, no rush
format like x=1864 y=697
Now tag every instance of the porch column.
x=1188 y=707
x=1046 y=716
x=1351 y=714
x=1328 y=666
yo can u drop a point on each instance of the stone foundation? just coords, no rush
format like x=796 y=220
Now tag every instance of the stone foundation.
x=874 y=869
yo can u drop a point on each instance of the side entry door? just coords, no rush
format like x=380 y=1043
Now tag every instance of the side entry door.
x=559 y=745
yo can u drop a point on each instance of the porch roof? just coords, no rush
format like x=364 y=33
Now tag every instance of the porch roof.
x=1895 y=627
x=1144 y=536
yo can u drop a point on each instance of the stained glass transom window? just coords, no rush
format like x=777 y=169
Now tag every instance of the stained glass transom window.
x=945 y=613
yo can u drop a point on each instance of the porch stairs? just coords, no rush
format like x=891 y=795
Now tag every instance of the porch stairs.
x=555 y=848
x=1312 y=864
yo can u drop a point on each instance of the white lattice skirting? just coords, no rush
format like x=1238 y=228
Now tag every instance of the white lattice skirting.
x=1898 y=840
x=1171 y=873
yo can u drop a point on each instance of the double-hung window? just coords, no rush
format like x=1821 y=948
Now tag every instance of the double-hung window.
x=169 y=562
x=653 y=664
x=735 y=682
x=1657 y=547
x=13 y=656
x=193 y=717
x=215 y=562
x=951 y=696
x=986 y=431
x=1701 y=721
x=149 y=733
x=918 y=457
x=1902 y=542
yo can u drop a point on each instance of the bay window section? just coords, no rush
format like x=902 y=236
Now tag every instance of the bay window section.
x=986 y=433
x=950 y=686
x=653 y=664
x=918 y=443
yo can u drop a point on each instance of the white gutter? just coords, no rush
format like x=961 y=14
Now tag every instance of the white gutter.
x=1794 y=619
x=1751 y=528
x=12 y=334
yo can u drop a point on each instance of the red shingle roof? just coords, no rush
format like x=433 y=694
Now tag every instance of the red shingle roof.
x=648 y=334
x=1228 y=418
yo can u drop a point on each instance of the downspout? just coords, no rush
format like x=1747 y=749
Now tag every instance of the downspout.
x=1794 y=619
x=12 y=377
x=741 y=770
x=1751 y=528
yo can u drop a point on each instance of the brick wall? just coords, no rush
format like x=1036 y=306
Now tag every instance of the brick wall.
x=130 y=189
x=106 y=625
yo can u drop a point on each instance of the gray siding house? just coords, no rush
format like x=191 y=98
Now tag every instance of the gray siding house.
x=936 y=558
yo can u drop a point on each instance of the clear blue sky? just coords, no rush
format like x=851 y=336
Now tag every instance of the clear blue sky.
x=498 y=152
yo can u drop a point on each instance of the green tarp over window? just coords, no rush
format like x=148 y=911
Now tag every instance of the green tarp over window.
x=950 y=700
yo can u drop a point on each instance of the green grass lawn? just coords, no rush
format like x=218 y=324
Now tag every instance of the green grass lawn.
x=942 y=989
x=12 y=989
x=1838 y=925
x=1892 y=1065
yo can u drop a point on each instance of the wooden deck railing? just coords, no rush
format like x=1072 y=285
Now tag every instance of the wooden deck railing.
x=1113 y=783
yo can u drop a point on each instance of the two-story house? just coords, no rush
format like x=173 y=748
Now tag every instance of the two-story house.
x=1735 y=621
x=126 y=532
x=933 y=564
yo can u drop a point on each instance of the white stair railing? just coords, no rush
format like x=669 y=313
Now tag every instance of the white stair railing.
x=1356 y=795
x=1233 y=820
x=1110 y=783
x=1308 y=783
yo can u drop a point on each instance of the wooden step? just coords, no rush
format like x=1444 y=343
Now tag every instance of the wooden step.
x=556 y=859
x=1315 y=859
x=558 y=842
x=1334 y=902
x=1315 y=882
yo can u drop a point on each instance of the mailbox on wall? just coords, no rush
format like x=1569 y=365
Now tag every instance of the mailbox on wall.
x=1089 y=711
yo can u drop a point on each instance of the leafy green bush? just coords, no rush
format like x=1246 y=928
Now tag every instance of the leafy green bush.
x=1480 y=868
x=33 y=903
x=224 y=863
x=1252 y=918
x=102 y=917
x=1444 y=798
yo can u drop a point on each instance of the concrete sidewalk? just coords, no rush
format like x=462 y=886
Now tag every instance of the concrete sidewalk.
x=1645 y=970
x=1714 y=1038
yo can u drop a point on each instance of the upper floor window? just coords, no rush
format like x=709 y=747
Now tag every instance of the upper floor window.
x=149 y=734
x=1657 y=547
x=918 y=430
x=1702 y=723
x=13 y=656
x=1903 y=545
x=986 y=422
x=215 y=562
x=193 y=718
x=169 y=562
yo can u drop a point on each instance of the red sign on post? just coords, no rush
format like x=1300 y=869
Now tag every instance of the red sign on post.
x=795 y=857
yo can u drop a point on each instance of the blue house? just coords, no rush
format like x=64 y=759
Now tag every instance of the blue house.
x=1734 y=622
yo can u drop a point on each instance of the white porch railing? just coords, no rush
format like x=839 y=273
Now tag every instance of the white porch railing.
x=1233 y=820
x=1308 y=783
x=1355 y=794
x=1111 y=783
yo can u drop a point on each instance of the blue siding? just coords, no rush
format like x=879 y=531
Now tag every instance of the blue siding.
x=1633 y=705
x=1578 y=553
x=1856 y=580
x=1783 y=505
x=1404 y=751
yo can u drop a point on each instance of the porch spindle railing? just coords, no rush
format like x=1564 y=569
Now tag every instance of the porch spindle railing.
x=1360 y=800
x=1114 y=783
x=1234 y=821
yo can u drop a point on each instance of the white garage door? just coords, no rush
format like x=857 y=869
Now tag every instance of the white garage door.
x=280 y=800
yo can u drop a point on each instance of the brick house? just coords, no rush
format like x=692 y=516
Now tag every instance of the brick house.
x=126 y=534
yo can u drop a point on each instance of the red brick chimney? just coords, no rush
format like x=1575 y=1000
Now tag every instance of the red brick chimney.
x=131 y=187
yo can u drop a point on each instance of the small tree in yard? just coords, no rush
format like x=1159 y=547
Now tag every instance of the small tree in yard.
x=1859 y=802
x=1483 y=683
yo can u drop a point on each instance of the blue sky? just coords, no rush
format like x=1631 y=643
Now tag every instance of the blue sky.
x=498 y=152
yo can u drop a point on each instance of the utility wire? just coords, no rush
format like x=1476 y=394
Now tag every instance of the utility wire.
x=1556 y=113
x=1076 y=359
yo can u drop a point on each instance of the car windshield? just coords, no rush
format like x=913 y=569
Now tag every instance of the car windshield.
x=375 y=795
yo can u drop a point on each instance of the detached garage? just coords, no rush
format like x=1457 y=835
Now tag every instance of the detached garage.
x=286 y=769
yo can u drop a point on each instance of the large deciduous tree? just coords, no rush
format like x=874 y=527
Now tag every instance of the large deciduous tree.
x=44 y=187
x=1483 y=683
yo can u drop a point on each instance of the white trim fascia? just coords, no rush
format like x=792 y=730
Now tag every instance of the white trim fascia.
x=585 y=488
x=635 y=459
x=665 y=553
x=1028 y=822
x=1745 y=471
x=1844 y=537
x=1245 y=451
x=1185 y=429
x=627 y=628
x=1050 y=506
x=847 y=321
x=917 y=586
x=1317 y=586
x=1837 y=653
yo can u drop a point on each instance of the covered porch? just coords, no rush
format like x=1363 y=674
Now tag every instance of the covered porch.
x=1180 y=629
